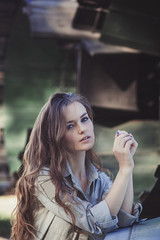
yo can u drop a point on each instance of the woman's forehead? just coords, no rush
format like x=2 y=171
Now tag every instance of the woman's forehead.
x=73 y=111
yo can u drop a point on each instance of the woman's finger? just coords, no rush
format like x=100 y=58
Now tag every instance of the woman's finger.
x=124 y=140
x=128 y=144
x=121 y=133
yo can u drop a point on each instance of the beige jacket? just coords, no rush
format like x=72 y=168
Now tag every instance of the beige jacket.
x=52 y=223
x=51 y=227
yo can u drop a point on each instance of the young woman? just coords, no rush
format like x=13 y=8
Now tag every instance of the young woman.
x=62 y=194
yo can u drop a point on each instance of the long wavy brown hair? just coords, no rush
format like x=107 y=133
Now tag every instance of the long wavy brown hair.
x=45 y=148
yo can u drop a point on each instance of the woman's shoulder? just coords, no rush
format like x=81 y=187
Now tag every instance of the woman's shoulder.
x=44 y=171
x=44 y=185
x=43 y=175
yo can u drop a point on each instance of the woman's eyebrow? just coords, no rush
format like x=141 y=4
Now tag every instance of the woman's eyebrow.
x=80 y=117
x=83 y=115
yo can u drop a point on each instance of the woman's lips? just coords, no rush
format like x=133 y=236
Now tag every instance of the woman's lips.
x=85 y=138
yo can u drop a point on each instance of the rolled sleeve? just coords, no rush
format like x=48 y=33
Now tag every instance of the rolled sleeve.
x=125 y=219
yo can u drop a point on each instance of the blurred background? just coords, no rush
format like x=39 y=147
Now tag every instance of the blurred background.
x=107 y=50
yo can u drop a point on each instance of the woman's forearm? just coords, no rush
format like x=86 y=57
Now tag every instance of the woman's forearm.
x=117 y=197
x=127 y=204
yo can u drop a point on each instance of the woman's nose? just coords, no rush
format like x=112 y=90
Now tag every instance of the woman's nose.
x=81 y=128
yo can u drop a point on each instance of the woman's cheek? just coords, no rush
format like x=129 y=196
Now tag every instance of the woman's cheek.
x=67 y=137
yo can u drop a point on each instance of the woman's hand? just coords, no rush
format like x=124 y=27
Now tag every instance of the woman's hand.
x=124 y=148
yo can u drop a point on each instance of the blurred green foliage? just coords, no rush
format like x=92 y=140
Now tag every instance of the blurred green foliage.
x=5 y=226
x=34 y=69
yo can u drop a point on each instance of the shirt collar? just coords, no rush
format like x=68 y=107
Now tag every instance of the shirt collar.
x=92 y=172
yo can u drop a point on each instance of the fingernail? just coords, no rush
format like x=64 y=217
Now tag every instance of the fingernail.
x=131 y=136
x=129 y=133
x=117 y=133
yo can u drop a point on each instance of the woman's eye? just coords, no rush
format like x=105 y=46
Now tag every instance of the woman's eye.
x=70 y=126
x=84 y=119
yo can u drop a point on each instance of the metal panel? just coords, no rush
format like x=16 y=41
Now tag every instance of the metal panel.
x=119 y=81
x=134 y=24
x=54 y=19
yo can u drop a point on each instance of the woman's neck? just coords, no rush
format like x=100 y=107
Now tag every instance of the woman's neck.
x=77 y=164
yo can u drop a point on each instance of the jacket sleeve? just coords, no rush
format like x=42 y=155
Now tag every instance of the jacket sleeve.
x=93 y=219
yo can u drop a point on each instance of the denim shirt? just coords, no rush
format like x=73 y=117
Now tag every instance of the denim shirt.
x=92 y=213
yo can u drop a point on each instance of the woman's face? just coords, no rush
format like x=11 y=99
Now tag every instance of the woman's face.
x=79 y=134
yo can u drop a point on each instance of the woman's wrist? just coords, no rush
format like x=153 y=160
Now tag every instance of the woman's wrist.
x=126 y=169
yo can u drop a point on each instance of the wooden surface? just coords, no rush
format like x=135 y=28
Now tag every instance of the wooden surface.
x=146 y=230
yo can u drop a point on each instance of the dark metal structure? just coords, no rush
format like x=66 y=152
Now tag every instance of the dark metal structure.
x=121 y=83
x=151 y=200
x=118 y=53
